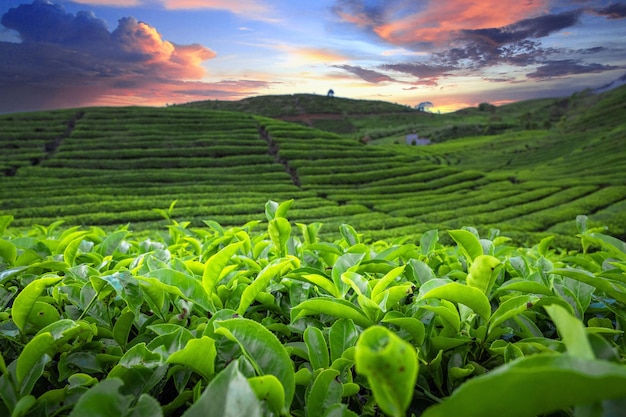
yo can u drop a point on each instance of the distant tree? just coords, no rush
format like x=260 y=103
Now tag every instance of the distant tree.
x=424 y=105
x=487 y=107
x=330 y=93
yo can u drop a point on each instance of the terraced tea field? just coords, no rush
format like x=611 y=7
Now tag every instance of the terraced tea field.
x=112 y=166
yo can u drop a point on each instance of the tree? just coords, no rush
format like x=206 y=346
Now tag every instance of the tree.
x=487 y=107
x=424 y=105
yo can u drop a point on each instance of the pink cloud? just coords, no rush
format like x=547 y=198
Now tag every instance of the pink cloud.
x=440 y=20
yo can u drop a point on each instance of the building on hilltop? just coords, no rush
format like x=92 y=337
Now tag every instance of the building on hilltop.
x=414 y=139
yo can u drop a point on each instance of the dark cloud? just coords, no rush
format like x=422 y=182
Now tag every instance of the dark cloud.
x=368 y=75
x=614 y=11
x=537 y=27
x=516 y=44
x=371 y=14
x=43 y=21
x=76 y=60
x=565 y=67
x=421 y=70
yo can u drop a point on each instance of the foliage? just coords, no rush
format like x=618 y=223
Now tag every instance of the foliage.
x=270 y=319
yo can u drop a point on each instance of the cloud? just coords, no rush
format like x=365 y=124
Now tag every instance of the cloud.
x=77 y=61
x=466 y=37
x=614 y=11
x=412 y=23
x=370 y=76
x=560 y=68
x=315 y=54
x=537 y=27
x=425 y=72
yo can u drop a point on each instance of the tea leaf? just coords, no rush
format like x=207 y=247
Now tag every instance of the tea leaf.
x=262 y=348
x=390 y=365
x=468 y=242
x=198 y=354
x=534 y=385
x=459 y=293
x=325 y=392
x=332 y=307
x=26 y=299
x=269 y=389
x=343 y=334
x=317 y=348
x=572 y=332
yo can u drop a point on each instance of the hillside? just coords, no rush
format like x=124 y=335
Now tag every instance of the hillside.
x=111 y=166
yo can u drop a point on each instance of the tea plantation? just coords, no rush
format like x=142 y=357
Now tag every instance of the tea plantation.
x=193 y=261
x=110 y=166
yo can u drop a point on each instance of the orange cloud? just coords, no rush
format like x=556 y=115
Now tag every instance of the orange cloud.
x=142 y=39
x=440 y=20
x=318 y=54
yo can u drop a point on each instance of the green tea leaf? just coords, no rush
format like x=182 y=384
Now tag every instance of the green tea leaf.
x=5 y=221
x=325 y=392
x=227 y=395
x=410 y=324
x=349 y=234
x=343 y=334
x=611 y=288
x=317 y=348
x=41 y=315
x=534 y=385
x=122 y=327
x=341 y=265
x=447 y=311
x=269 y=389
x=38 y=350
x=482 y=273
x=428 y=241
x=26 y=299
x=523 y=285
x=390 y=365
x=262 y=348
x=146 y=406
x=23 y=406
x=71 y=250
x=105 y=400
x=572 y=332
x=385 y=281
x=112 y=242
x=331 y=307
x=318 y=278
x=8 y=251
x=260 y=283
x=468 y=243
x=279 y=230
x=459 y=293
x=198 y=354
x=511 y=307
x=188 y=285
x=214 y=266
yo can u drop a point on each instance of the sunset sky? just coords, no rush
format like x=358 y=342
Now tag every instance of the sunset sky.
x=454 y=53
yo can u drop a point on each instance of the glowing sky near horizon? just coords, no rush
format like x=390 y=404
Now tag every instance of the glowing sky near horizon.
x=454 y=53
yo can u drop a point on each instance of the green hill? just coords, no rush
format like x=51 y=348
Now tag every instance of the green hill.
x=527 y=168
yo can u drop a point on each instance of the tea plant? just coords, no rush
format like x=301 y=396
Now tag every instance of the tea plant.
x=270 y=319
